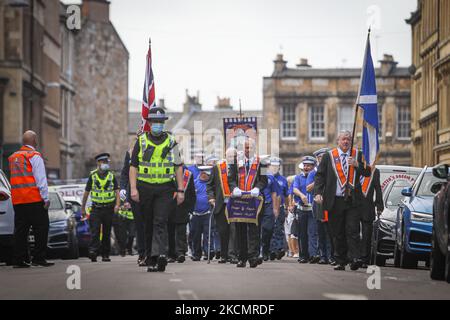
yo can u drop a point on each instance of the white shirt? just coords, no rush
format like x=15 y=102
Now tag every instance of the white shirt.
x=340 y=192
x=38 y=167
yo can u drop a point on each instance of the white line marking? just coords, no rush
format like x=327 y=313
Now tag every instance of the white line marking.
x=175 y=280
x=187 y=295
x=344 y=296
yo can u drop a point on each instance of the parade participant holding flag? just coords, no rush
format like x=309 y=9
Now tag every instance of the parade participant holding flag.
x=245 y=176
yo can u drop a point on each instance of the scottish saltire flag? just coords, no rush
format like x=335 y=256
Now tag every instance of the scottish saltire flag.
x=148 y=100
x=367 y=100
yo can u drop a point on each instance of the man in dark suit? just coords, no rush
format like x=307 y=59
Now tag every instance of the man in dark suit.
x=179 y=218
x=374 y=198
x=248 y=235
x=341 y=198
x=218 y=194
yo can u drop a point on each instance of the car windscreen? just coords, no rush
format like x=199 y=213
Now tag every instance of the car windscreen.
x=424 y=188
x=395 y=196
x=55 y=202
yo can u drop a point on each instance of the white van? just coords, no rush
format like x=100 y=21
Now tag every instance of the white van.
x=389 y=174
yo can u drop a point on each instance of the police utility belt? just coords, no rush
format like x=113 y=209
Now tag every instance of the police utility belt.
x=103 y=205
x=201 y=214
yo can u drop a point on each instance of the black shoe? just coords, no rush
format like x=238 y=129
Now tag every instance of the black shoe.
x=340 y=267
x=333 y=263
x=152 y=269
x=171 y=260
x=354 y=265
x=302 y=261
x=145 y=262
x=314 y=260
x=322 y=261
x=281 y=254
x=265 y=257
x=106 y=259
x=253 y=263
x=21 y=265
x=195 y=258
x=273 y=256
x=234 y=261
x=162 y=263
x=93 y=257
x=241 y=264
x=217 y=255
x=223 y=261
x=42 y=263
x=259 y=261
x=122 y=253
x=181 y=259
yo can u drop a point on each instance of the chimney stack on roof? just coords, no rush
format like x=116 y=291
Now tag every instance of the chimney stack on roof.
x=388 y=65
x=223 y=104
x=303 y=64
x=280 y=63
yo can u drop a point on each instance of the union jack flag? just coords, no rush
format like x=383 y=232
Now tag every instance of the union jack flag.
x=148 y=100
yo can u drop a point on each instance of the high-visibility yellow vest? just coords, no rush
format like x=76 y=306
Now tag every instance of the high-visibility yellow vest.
x=102 y=191
x=158 y=169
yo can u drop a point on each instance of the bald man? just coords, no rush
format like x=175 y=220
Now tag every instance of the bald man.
x=29 y=194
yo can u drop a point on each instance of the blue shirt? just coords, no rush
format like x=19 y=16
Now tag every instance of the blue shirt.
x=271 y=187
x=195 y=171
x=310 y=180
x=283 y=185
x=300 y=183
x=202 y=204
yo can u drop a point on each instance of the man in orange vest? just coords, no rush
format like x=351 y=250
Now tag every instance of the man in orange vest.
x=29 y=193
x=342 y=198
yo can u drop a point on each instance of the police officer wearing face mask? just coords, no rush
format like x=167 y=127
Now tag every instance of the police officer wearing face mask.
x=104 y=190
x=156 y=183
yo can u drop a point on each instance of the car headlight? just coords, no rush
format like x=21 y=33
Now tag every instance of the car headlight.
x=421 y=217
x=60 y=225
x=386 y=225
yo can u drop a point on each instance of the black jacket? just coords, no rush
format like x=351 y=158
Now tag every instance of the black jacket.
x=181 y=214
x=214 y=190
x=325 y=181
x=375 y=188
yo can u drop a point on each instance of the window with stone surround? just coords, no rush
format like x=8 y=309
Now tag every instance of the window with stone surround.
x=403 y=122
x=316 y=123
x=288 y=169
x=380 y=122
x=288 y=122
x=346 y=118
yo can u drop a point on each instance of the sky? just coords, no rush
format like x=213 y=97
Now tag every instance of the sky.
x=225 y=48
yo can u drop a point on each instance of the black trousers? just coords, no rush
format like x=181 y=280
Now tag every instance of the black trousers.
x=124 y=230
x=232 y=243
x=248 y=239
x=139 y=227
x=30 y=215
x=344 y=221
x=156 y=201
x=224 y=233
x=367 y=219
x=101 y=220
x=177 y=239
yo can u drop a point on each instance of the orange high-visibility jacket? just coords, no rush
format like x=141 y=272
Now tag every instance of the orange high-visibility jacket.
x=23 y=185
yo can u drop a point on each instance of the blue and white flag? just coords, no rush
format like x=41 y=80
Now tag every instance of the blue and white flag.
x=368 y=101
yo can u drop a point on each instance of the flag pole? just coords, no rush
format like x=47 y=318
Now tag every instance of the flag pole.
x=347 y=186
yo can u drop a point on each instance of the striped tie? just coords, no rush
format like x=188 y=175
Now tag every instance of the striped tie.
x=344 y=164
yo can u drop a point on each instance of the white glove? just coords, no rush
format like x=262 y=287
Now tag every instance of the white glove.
x=123 y=194
x=255 y=192
x=237 y=193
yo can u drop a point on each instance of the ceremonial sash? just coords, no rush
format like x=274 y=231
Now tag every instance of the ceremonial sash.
x=186 y=179
x=339 y=170
x=223 y=175
x=365 y=183
x=247 y=180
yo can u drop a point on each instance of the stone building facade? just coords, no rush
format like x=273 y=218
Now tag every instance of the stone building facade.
x=309 y=106
x=430 y=91
x=100 y=113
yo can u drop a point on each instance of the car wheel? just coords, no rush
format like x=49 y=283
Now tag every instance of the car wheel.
x=437 y=260
x=73 y=252
x=407 y=260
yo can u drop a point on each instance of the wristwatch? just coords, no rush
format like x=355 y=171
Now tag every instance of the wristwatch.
x=180 y=191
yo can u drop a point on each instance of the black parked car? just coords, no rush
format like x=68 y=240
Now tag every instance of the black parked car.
x=383 y=236
x=440 y=252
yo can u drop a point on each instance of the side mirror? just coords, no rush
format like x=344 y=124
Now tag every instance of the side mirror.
x=441 y=171
x=407 y=192
x=68 y=206
x=436 y=187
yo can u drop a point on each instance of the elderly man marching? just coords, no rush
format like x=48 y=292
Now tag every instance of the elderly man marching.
x=342 y=198
x=156 y=180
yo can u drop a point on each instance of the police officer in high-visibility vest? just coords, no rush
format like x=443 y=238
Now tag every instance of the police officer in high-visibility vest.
x=29 y=195
x=125 y=228
x=104 y=190
x=156 y=182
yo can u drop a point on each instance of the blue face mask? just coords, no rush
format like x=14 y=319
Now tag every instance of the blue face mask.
x=157 y=128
